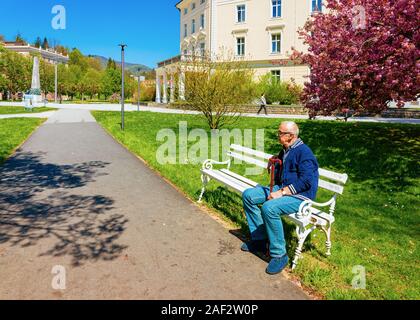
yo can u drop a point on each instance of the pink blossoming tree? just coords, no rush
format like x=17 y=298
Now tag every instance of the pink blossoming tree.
x=362 y=55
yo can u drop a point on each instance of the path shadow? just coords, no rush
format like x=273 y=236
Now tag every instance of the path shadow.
x=230 y=204
x=36 y=204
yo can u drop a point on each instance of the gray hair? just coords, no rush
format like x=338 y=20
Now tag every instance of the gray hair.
x=291 y=127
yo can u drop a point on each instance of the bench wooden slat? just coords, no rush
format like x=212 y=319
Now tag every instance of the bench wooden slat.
x=339 y=177
x=236 y=185
x=239 y=177
x=252 y=152
x=330 y=186
x=247 y=159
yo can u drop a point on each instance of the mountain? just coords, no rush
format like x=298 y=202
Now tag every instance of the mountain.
x=132 y=67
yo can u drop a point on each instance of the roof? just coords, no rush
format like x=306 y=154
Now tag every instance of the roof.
x=179 y=2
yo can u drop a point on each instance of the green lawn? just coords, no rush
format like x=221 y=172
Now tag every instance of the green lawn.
x=13 y=132
x=18 y=110
x=377 y=218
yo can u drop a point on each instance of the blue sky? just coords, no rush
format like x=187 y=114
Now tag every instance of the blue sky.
x=150 y=28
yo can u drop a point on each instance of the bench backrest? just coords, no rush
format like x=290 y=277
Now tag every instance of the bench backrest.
x=335 y=181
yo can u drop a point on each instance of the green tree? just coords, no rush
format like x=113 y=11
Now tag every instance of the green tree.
x=91 y=83
x=77 y=59
x=218 y=88
x=94 y=63
x=111 y=64
x=62 y=50
x=15 y=71
x=63 y=80
x=46 y=76
x=38 y=42
x=111 y=82
x=19 y=39
x=130 y=85
x=45 y=44
x=73 y=78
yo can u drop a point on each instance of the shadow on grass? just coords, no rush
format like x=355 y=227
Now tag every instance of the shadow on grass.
x=35 y=205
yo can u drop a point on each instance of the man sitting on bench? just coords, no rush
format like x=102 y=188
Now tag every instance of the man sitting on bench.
x=296 y=181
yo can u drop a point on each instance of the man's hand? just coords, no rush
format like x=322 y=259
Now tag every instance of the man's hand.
x=275 y=195
x=278 y=194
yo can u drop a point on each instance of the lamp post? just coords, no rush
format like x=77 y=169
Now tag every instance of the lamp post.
x=122 y=85
x=55 y=81
x=138 y=91
x=139 y=80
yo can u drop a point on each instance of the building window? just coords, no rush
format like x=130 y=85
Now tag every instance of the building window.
x=240 y=13
x=276 y=6
x=193 y=26
x=276 y=43
x=185 y=30
x=185 y=11
x=202 y=48
x=193 y=6
x=276 y=75
x=240 y=46
x=202 y=21
x=316 y=5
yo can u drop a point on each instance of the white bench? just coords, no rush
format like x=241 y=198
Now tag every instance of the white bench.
x=307 y=219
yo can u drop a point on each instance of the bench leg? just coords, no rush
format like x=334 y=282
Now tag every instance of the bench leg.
x=302 y=234
x=205 y=180
x=328 y=244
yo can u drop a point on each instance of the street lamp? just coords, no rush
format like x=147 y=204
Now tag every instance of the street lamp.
x=122 y=85
x=55 y=81
x=139 y=79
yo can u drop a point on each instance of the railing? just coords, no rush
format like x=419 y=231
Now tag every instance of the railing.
x=183 y=57
x=169 y=61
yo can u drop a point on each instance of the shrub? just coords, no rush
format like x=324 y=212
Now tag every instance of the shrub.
x=278 y=92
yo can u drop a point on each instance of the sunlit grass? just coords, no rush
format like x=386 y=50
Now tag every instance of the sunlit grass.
x=13 y=132
x=18 y=110
x=377 y=218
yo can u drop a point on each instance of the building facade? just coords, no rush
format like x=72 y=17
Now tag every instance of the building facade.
x=261 y=32
x=49 y=55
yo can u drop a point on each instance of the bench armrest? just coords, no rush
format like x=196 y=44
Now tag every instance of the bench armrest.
x=306 y=206
x=208 y=164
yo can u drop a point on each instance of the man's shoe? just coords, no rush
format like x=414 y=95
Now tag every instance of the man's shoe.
x=255 y=246
x=277 y=265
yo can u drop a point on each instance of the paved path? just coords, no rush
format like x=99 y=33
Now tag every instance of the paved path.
x=130 y=107
x=73 y=197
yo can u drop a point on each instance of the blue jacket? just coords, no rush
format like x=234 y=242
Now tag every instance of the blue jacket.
x=299 y=171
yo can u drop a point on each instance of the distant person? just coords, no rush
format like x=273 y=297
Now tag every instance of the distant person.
x=263 y=104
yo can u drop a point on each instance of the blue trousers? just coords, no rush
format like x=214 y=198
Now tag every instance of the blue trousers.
x=265 y=222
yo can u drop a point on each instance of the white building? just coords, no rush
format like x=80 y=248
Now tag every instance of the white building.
x=261 y=32
x=49 y=55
